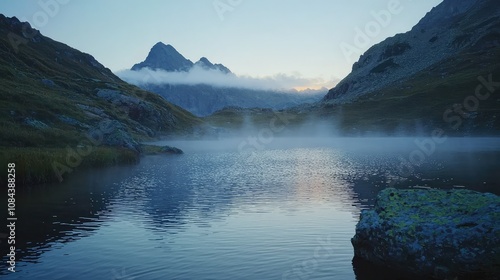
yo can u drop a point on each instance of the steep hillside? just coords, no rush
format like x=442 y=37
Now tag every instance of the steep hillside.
x=450 y=29
x=55 y=97
x=413 y=80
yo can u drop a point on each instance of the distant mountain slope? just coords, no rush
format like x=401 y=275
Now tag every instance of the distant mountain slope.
x=428 y=78
x=451 y=28
x=205 y=99
x=50 y=90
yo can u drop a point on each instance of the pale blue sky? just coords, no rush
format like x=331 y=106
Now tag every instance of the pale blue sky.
x=252 y=37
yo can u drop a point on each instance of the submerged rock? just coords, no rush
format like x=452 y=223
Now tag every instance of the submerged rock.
x=444 y=234
x=171 y=150
x=159 y=150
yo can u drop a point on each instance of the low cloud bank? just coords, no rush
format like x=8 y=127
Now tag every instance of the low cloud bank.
x=198 y=75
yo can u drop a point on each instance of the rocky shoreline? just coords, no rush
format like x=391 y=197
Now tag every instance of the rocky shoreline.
x=439 y=234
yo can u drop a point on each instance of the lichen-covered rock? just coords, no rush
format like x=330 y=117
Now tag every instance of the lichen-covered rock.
x=113 y=133
x=137 y=109
x=445 y=234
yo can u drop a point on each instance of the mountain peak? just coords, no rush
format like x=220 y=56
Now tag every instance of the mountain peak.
x=204 y=62
x=164 y=57
x=442 y=13
x=207 y=65
x=162 y=46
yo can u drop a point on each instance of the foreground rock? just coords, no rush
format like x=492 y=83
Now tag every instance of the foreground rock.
x=442 y=234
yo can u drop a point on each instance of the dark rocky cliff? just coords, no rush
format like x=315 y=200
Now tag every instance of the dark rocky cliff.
x=448 y=30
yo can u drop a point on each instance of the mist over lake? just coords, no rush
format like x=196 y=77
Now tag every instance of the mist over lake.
x=286 y=211
x=223 y=139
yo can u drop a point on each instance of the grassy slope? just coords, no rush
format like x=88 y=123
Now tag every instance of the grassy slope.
x=416 y=105
x=423 y=99
x=76 y=76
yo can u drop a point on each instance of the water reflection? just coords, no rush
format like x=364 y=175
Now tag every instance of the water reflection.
x=224 y=212
x=52 y=215
x=198 y=189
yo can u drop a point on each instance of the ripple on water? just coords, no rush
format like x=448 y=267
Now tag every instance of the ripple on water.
x=214 y=215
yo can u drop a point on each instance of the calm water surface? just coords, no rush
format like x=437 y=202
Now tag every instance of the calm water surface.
x=284 y=211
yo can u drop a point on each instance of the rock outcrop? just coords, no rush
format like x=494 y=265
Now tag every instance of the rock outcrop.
x=66 y=95
x=114 y=134
x=445 y=234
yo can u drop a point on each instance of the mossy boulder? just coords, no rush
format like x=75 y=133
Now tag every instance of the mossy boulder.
x=443 y=234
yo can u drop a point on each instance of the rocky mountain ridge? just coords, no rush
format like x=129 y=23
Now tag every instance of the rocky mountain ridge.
x=451 y=28
x=167 y=58
x=205 y=99
x=207 y=65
